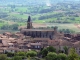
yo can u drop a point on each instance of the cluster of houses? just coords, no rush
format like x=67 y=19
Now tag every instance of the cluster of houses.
x=37 y=39
x=10 y=42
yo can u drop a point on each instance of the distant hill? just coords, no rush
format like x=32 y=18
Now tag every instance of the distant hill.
x=3 y=2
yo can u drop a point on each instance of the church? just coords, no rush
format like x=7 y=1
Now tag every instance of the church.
x=38 y=33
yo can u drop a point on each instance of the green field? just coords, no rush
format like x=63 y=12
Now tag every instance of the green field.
x=57 y=15
x=65 y=26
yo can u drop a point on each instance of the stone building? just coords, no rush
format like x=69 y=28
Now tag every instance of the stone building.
x=38 y=33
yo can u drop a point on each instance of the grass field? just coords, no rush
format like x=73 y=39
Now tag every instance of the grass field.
x=2 y=31
x=60 y=26
x=73 y=27
x=15 y=16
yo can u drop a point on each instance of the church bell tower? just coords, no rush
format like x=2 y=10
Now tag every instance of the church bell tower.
x=29 y=23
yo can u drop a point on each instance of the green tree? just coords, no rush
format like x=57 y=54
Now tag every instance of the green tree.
x=51 y=49
x=9 y=58
x=17 y=58
x=3 y=57
x=73 y=55
x=62 y=56
x=9 y=54
x=45 y=51
x=65 y=49
x=31 y=53
x=51 y=56
x=22 y=54
x=15 y=26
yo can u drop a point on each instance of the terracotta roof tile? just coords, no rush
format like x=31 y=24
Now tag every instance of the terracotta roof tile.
x=77 y=44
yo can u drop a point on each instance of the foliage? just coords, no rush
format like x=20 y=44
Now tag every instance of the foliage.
x=65 y=49
x=10 y=27
x=21 y=54
x=45 y=51
x=9 y=59
x=51 y=56
x=9 y=54
x=3 y=57
x=17 y=58
x=67 y=31
x=31 y=53
x=3 y=14
x=51 y=49
x=73 y=55
x=62 y=56
x=14 y=26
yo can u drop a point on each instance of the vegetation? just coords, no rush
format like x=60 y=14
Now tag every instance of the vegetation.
x=58 y=12
x=33 y=55
x=45 y=51
x=3 y=57
x=51 y=56
x=73 y=55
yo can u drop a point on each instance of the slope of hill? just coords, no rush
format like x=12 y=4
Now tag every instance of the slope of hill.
x=43 y=11
x=24 y=2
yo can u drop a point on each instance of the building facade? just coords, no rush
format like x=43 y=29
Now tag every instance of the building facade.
x=38 y=33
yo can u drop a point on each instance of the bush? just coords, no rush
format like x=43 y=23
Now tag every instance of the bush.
x=31 y=53
x=17 y=58
x=10 y=54
x=3 y=57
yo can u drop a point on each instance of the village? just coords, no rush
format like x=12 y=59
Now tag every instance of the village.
x=19 y=41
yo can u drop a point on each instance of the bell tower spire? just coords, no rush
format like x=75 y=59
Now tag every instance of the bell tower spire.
x=29 y=23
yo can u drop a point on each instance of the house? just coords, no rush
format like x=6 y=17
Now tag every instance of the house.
x=77 y=47
x=43 y=41
x=60 y=44
x=36 y=46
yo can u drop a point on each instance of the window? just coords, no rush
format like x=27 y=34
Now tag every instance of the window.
x=38 y=46
x=0 y=41
x=79 y=51
x=79 y=48
x=35 y=46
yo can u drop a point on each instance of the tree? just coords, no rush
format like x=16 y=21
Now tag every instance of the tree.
x=5 y=27
x=9 y=58
x=62 y=56
x=45 y=51
x=9 y=54
x=65 y=49
x=22 y=54
x=73 y=55
x=12 y=6
x=51 y=56
x=15 y=26
x=31 y=53
x=3 y=57
x=51 y=49
x=17 y=58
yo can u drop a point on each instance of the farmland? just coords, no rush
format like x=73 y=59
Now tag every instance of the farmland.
x=74 y=27
x=63 y=16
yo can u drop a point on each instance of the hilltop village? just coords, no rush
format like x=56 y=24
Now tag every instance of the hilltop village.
x=31 y=38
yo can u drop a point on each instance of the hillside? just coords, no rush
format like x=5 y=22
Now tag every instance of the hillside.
x=41 y=12
x=30 y=2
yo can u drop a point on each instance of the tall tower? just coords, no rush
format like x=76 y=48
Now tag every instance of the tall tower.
x=29 y=23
